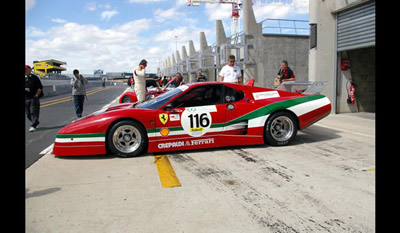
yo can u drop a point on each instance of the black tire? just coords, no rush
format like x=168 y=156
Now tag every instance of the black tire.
x=127 y=138
x=280 y=129
x=126 y=99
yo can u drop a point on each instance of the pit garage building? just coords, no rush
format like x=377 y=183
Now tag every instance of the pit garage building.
x=342 y=51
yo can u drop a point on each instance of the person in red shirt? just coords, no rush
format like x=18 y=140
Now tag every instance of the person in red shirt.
x=131 y=83
x=285 y=73
x=176 y=81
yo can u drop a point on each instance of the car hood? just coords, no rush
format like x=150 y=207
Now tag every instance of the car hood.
x=97 y=122
x=105 y=110
x=113 y=108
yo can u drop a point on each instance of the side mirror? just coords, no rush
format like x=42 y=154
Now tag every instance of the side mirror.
x=168 y=108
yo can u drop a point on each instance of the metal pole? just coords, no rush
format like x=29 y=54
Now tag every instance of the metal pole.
x=176 y=42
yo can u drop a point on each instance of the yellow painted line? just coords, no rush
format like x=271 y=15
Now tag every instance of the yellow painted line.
x=96 y=90
x=166 y=172
x=55 y=100
x=368 y=170
x=68 y=98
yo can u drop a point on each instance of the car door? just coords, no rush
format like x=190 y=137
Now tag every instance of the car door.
x=193 y=120
x=239 y=124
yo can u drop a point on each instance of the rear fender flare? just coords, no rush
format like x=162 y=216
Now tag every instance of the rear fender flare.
x=284 y=110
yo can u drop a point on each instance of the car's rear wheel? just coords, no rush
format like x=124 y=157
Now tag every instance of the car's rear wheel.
x=127 y=138
x=280 y=129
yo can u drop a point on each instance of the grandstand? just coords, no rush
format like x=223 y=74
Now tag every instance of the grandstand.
x=48 y=66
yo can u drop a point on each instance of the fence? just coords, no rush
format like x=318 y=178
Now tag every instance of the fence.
x=286 y=27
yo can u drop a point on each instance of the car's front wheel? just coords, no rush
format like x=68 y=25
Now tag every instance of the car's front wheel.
x=280 y=129
x=127 y=138
x=126 y=99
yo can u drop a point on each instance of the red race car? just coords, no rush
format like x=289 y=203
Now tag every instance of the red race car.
x=194 y=116
x=130 y=96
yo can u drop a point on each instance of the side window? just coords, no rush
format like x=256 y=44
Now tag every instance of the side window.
x=200 y=96
x=232 y=95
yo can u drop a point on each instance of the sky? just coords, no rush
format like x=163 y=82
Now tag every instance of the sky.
x=114 y=35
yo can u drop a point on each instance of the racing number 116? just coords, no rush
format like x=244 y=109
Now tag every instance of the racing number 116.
x=202 y=121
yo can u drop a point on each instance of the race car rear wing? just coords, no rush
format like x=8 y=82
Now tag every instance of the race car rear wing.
x=314 y=88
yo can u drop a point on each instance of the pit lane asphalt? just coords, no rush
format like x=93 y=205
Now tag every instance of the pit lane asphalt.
x=322 y=182
x=57 y=111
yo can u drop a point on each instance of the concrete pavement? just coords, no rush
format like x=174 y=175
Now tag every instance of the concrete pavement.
x=323 y=182
x=56 y=112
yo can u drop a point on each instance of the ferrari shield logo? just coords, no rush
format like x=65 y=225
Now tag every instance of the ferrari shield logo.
x=163 y=118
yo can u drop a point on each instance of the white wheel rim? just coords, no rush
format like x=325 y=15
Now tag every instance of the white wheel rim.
x=282 y=128
x=127 y=138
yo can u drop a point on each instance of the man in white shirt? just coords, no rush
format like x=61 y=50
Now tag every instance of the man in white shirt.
x=230 y=72
x=140 y=80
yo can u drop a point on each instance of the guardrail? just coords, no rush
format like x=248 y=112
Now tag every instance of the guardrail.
x=286 y=27
x=53 y=76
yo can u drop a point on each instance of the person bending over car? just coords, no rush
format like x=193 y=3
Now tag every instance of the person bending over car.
x=176 y=81
x=284 y=74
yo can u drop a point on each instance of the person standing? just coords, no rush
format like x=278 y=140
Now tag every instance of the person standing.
x=103 y=82
x=131 y=83
x=164 y=81
x=78 y=83
x=33 y=91
x=231 y=72
x=200 y=76
x=140 y=80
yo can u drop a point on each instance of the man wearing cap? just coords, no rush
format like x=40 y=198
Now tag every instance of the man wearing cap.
x=140 y=80
x=33 y=91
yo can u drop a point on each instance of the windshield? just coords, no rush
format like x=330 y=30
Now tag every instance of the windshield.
x=160 y=100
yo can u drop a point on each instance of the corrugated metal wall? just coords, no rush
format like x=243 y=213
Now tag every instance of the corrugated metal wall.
x=356 y=27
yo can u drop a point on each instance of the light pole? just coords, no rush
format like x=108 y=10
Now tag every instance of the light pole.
x=176 y=42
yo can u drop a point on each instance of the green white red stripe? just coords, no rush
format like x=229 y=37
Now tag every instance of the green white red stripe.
x=90 y=137
x=258 y=117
